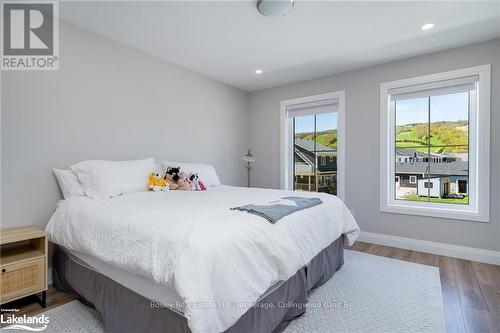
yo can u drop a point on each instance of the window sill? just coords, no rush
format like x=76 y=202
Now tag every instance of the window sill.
x=438 y=211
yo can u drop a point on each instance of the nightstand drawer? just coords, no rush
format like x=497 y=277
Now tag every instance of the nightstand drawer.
x=22 y=278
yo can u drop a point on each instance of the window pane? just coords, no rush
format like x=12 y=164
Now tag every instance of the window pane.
x=326 y=152
x=449 y=166
x=411 y=156
x=450 y=173
x=304 y=156
x=412 y=129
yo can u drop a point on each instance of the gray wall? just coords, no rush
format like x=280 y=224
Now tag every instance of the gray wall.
x=109 y=101
x=362 y=89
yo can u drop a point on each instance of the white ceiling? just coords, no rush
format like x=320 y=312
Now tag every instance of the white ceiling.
x=227 y=40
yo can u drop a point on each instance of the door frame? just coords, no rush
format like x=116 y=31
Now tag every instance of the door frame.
x=286 y=142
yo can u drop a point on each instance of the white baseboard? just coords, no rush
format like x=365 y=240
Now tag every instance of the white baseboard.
x=449 y=250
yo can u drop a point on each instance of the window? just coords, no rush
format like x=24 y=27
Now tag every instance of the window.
x=312 y=143
x=433 y=122
x=462 y=186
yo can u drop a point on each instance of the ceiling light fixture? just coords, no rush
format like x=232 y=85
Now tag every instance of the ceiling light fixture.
x=258 y=71
x=428 y=26
x=274 y=8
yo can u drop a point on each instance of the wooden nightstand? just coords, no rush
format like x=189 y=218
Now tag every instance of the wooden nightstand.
x=23 y=262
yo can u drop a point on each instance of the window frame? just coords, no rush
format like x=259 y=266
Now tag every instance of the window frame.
x=413 y=182
x=286 y=135
x=479 y=151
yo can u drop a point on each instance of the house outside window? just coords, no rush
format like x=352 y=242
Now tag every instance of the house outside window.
x=429 y=139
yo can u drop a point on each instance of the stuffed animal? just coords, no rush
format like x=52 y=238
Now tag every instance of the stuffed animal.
x=157 y=183
x=176 y=179
x=184 y=177
x=195 y=183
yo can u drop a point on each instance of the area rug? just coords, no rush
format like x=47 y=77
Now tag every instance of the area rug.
x=369 y=294
x=375 y=294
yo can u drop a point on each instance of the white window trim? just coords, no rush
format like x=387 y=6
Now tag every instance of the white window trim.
x=286 y=159
x=414 y=179
x=479 y=146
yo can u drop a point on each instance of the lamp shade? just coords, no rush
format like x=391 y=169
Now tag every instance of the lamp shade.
x=248 y=157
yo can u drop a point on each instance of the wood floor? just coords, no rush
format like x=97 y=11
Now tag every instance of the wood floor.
x=471 y=290
x=30 y=306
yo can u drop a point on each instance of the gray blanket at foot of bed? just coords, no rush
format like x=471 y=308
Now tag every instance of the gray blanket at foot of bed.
x=126 y=311
x=273 y=212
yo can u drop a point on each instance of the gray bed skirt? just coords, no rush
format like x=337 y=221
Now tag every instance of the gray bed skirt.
x=123 y=310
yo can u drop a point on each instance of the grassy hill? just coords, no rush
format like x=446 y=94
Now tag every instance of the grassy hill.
x=326 y=138
x=443 y=136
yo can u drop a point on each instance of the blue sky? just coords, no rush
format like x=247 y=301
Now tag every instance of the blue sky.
x=324 y=121
x=450 y=107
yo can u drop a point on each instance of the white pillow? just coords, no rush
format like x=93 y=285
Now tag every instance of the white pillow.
x=107 y=179
x=69 y=184
x=206 y=172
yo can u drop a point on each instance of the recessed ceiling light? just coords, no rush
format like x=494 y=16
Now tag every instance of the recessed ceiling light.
x=428 y=26
x=258 y=71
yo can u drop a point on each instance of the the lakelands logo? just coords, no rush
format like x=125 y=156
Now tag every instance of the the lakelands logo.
x=33 y=324
x=30 y=36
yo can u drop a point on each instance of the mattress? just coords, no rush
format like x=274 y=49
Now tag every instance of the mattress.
x=163 y=295
x=146 y=287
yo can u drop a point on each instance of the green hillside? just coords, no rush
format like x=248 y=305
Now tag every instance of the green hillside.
x=443 y=136
x=326 y=138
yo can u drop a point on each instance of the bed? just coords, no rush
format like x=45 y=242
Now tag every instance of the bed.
x=185 y=262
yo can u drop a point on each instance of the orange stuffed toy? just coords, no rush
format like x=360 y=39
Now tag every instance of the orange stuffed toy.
x=157 y=183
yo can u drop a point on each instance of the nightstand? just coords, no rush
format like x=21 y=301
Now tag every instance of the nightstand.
x=23 y=263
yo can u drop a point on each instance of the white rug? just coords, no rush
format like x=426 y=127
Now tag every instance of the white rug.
x=369 y=294
x=375 y=294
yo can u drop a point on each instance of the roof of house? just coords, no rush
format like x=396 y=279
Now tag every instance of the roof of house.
x=305 y=158
x=413 y=151
x=309 y=145
x=456 y=168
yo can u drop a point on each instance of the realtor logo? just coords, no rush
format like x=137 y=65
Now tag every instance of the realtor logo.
x=30 y=36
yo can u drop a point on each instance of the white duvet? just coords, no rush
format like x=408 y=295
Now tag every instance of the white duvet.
x=219 y=260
